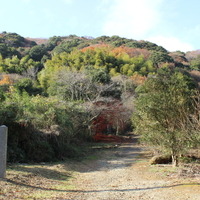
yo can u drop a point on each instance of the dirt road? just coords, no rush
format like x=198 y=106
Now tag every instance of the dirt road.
x=123 y=174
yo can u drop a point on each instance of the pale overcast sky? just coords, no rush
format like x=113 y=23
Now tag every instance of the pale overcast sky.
x=174 y=24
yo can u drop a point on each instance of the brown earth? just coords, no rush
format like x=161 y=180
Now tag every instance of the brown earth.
x=120 y=172
x=124 y=173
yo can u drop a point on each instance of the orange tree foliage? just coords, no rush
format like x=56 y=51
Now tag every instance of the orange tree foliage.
x=132 y=52
x=138 y=79
x=6 y=80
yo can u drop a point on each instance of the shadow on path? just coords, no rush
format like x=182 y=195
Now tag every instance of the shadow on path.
x=123 y=156
x=106 y=190
x=43 y=172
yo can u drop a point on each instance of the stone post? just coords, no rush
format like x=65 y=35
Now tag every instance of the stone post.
x=3 y=150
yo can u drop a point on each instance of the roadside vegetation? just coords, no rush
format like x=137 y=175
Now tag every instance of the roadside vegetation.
x=55 y=96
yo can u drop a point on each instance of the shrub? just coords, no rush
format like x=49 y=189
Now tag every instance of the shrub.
x=162 y=109
x=42 y=128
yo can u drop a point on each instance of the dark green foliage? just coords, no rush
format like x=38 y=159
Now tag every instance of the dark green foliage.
x=23 y=51
x=83 y=45
x=7 y=51
x=37 y=52
x=4 y=50
x=151 y=46
x=158 y=57
x=27 y=85
x=68 y=45
x=40 y=150
x=163 y=107
x=2 y=93
x=8 y=113
x=118 y=41
x=15 y=40
x=53 y=42
x=21 y=147
x=195 y=63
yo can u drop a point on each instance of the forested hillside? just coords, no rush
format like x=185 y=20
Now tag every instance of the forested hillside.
x=56 y=93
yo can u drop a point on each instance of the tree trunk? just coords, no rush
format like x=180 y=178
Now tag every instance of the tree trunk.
x=174 y=160
x=117 y=131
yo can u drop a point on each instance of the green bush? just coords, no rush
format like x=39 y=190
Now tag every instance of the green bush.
x=41 y=128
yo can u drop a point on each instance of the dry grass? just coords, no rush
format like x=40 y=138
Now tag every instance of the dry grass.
x=49 y=181
x=46 y=180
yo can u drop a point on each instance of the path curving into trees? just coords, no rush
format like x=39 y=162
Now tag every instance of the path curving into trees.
x=124 y=173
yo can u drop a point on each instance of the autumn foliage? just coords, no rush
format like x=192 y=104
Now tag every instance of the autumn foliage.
x=132 y=52
x=138 y=79
x=112 y=119
x=6 y=80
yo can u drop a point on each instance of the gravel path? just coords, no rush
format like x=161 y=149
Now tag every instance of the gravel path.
x=123 y=174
